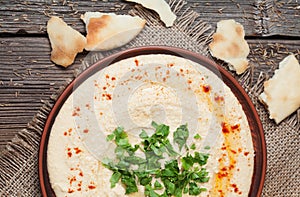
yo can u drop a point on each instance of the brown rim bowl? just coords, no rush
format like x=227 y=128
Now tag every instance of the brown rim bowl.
x=260 y=159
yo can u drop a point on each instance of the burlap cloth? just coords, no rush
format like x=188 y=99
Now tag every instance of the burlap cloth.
x=18 y=163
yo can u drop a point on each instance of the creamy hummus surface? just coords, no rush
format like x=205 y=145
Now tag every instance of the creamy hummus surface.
x=134 y=92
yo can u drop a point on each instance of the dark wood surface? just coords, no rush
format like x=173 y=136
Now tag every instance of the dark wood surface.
x=28 y=77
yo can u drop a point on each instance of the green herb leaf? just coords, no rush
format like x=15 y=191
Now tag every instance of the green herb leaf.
x=129 y=182
x=153 y=194
x=194 y=189
x=193 y=146
x=157 y=185
x=145 y=180
x=154 y=124
x=185 y=190
x=197 y=136
x=207 y=147
x=173 y=166
x=180 y=136
x=134 y=160
x=187 y=162
x=143 y=135
x=170 y=149
x=170 y=187
x=110 y=137
x=114 y=179
x=201 y=158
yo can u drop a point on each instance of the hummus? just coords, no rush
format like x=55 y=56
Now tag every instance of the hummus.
x=134 y=92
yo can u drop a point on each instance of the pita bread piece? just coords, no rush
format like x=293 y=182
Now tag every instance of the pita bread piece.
x=107 y=31
x=65 y=41
x=230 y=46
x=161 y=7
x=282 y=92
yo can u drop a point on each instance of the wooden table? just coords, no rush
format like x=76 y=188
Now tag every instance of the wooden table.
x=28 y=77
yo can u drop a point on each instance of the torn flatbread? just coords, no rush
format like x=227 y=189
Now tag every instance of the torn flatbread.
x=107 y=31
x=230 y=46
x=161 y=7
x=65 y=41
x=282 y=92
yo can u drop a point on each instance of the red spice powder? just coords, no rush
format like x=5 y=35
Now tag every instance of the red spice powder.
x=224 y=169
x=206 y=88
x=235 y=188
x=92 y=187
x=233 y=151
x=85 y=131
x=221 y=193
x=219 y=99
x=136 y=62
x=222 y=175
x=108 y=96
x=225 y=129
x=235 y=127
x=75 y=112
x=77 y=150
x=73 y=179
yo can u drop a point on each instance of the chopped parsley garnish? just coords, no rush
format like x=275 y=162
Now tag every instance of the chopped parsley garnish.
x=181 y=135
x=207 y=147
x=171 y=176
x=193 y=146
x=197 y=136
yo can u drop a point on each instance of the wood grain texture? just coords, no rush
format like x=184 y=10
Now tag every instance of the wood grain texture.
x=31 y=16
x=27 y=76
x=284 y=18
x=214 y=11
x=258 y=17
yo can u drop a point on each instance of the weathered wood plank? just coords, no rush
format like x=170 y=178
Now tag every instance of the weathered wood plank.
x=31 y=16
x=214 y=11
x=258 y=17
x=284 y=18
x=27 y=76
